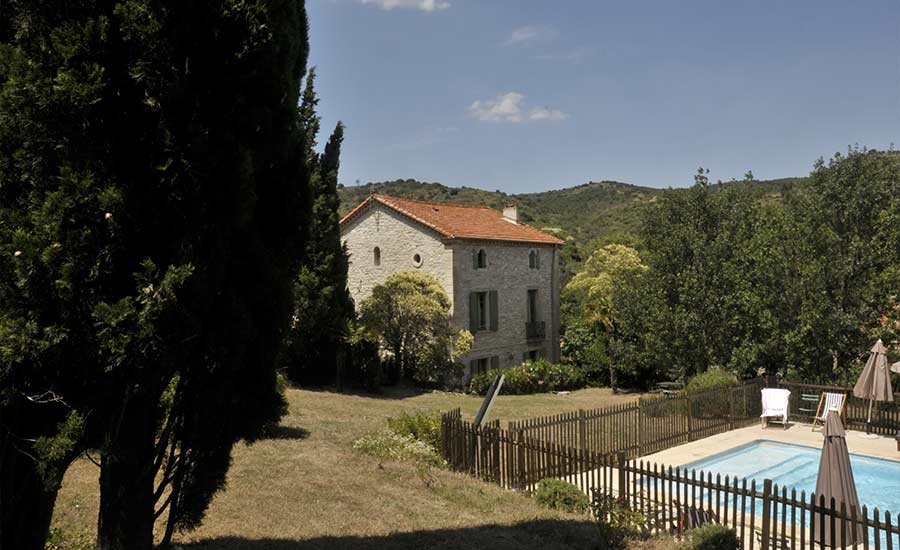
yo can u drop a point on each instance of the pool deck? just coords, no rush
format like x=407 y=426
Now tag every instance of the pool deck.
x=798 y=434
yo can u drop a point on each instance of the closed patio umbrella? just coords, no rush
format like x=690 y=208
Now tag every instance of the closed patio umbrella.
x=836 y=482
x=874 y=383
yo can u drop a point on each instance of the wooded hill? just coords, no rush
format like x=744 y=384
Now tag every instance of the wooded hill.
x=587 y=215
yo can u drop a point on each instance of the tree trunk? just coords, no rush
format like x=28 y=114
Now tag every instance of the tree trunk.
x=125 y=520
x=26 y=505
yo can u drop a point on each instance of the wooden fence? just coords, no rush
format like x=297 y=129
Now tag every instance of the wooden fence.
x=765 y=516
x=651 y=424
x=885 y=416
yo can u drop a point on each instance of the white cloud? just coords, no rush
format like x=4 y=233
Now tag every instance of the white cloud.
x=542 y=113
x=531 y=33
x=424 y=5
x=509 y=107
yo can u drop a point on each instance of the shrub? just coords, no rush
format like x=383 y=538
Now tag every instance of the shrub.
x=389 y=445
x=422 y=425
x=561 y=495
x=616 y=523
x=539 y=376
x=714 y=377
x=712 y=537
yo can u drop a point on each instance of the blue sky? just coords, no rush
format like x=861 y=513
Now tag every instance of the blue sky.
x=525 y=96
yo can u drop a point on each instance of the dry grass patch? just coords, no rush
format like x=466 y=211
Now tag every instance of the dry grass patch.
x=308 y=488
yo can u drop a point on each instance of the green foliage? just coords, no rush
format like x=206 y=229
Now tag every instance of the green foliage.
x=713 y=378
x=615 y=521
x=153 y=208
x=422 y=425
x=561 y=495
x=539 y=376
x=389 y=445
x=712 y=537
x=362 y=360
x=410 y=315
x=322 y=304
x=593 y=299
x=55 y=452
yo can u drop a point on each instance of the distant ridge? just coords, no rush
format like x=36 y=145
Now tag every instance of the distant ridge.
x=586 y=215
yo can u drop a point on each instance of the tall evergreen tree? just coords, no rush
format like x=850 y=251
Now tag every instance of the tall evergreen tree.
x=153 y=211
x=323 y=306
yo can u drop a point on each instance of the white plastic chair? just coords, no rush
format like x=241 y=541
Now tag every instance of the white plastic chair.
x=775 y=403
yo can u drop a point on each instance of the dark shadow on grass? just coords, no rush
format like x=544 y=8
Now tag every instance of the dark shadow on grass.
x=286 y=432
x=549 y=534
x=396 y=392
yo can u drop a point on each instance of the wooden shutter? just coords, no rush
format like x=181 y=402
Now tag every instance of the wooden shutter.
x=495 y=362
x=473 y=312
x=492 y=308
x=473 y=364
x=474 y=259
x=537 y=259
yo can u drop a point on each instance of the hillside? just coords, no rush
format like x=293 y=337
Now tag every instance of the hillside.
x=587 y=215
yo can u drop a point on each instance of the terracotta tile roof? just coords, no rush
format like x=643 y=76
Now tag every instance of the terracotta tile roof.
x=458 y=221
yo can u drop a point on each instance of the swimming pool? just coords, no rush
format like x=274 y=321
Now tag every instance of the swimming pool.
x=797 y=467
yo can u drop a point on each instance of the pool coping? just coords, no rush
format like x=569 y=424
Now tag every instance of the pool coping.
x=882 y=447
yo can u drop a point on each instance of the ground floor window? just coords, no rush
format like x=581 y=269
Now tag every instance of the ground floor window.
x=484 y=364
x=533 y=355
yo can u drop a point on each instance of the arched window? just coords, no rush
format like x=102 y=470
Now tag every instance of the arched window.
x=480 y=259
x=377 y=256
x=534 y=261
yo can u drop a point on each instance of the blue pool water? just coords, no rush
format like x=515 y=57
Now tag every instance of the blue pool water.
x=797 y=467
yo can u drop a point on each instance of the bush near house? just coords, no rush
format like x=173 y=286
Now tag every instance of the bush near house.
x=539 y=376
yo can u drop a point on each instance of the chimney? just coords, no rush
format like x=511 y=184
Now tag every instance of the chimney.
x=511 y=213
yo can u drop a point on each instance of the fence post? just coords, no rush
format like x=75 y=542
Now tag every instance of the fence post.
x=520 y=460
x=730 y=408
x=582 y=430
x=690 y=415
x=766 y=514
x=622 y=462
x=640 y=429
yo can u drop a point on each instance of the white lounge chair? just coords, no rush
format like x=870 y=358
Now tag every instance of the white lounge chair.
x=827 y=402
x=775 y=405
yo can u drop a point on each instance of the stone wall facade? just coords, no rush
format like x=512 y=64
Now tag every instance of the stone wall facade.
x=399 y=241
x=452 y=262
x=509 y=273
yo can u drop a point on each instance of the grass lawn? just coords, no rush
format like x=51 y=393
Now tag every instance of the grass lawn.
x=309 y=489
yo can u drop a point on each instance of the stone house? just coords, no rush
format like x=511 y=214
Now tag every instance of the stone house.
x=501 y=275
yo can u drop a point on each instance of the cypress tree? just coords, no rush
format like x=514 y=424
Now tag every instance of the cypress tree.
x=154 y=202
x=323 y=306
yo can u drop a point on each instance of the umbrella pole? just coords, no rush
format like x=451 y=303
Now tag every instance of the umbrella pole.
x=869 y=419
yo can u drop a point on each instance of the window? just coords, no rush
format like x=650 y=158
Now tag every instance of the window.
x=534 y=261
x=417 y=260
x=532 y=355
x=483 y=311
x=532 y=305
x=377 y=256
x=480 y=258
x=481 y=365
